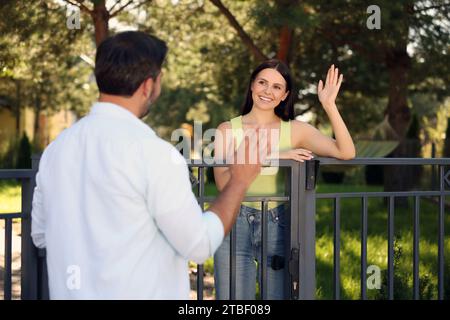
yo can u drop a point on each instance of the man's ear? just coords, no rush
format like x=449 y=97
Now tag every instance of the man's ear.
x=148 y=87
x=157 y=80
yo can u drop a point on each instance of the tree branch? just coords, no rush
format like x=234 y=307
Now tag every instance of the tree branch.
x=445 y=5
x=80 y=4
x=115 y=13
x=113 y=6
x=241 y=32
x=120 y=9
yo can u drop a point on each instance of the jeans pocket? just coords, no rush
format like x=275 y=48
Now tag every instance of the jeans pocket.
x=278 y=216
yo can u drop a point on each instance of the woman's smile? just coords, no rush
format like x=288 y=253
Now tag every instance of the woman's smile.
x=265 y=99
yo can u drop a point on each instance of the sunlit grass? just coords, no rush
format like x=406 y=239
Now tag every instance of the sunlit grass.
x=377 y=250
x=10 y=197
x=377 y=242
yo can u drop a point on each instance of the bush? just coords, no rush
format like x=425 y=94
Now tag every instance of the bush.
x=374 y=175
x=333 y=177
x=24 y=156
x=447 y=141
x=18 y=154
x=8 y=160
x=402 y=289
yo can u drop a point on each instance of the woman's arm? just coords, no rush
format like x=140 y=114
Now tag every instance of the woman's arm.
x=308 y=137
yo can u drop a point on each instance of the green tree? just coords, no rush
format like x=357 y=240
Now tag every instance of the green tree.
x=44 y=69
x=447 y=141
x=24 y=153
x=100 y=14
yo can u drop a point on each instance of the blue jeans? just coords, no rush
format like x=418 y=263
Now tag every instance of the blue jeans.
x=248 y=251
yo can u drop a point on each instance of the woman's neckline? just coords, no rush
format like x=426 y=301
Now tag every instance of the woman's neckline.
x=253 y=123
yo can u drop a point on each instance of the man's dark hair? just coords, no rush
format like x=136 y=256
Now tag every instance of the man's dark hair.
x=126 y=59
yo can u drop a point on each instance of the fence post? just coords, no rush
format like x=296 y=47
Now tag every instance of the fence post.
x=29 y=254
x=307 y=228
x=300 y=281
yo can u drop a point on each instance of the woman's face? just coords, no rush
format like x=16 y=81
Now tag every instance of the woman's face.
x=268 y=89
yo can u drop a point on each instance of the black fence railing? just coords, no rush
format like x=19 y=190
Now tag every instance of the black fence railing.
x=443 y=189
x=300 y=237
x=300 y=273
x=33 y=275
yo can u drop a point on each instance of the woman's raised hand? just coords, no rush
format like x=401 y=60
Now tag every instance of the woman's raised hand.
x=327 y=93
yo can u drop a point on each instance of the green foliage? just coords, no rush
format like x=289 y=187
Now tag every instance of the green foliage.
x=447 y=140
x=413 y=131
x=10 y=196
x=402 y=288
x=8 y=159
x=43 y=69
x=24 y=153
x=209 y=65
x=18 y=154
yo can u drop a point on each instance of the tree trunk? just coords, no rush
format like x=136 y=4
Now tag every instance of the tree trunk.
x=18 y=107
x=244 y=36
x=100 y=16
x=446 y=152
x=398 y=64
x=286 y=32
x=36 y=128
x=285 y=44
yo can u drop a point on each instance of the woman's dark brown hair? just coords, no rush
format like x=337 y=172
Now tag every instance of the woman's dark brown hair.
x=285 y=110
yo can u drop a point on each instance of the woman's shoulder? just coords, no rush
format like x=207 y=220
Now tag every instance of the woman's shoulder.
x=236 y=122
x=299 y=124
x=224 y=125
x=299 y=131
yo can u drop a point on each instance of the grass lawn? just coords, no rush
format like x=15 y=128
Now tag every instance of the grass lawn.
x=376 y=244
x=10 y=197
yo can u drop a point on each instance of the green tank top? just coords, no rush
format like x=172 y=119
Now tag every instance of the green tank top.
x=271 y=180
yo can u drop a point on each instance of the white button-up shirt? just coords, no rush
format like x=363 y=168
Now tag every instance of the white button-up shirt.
x=115 y=210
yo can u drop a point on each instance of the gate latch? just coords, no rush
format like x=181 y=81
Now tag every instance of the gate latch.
x=294 y=273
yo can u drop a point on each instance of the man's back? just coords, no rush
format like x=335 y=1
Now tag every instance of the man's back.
x=113 y=203
x=100 y=230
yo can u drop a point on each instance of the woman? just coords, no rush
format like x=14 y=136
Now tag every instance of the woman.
x=269 y=106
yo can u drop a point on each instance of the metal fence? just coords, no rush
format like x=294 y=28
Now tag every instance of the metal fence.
x=300 y=237
x=33 y=278
x=442 y=165
x=300 y=273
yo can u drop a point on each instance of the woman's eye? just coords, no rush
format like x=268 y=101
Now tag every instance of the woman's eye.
x=277 y=87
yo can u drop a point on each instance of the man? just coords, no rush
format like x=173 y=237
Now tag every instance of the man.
x=113 y=204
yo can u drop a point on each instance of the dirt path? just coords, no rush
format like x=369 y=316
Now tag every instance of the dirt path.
x=16 y=245
x=208 y=285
